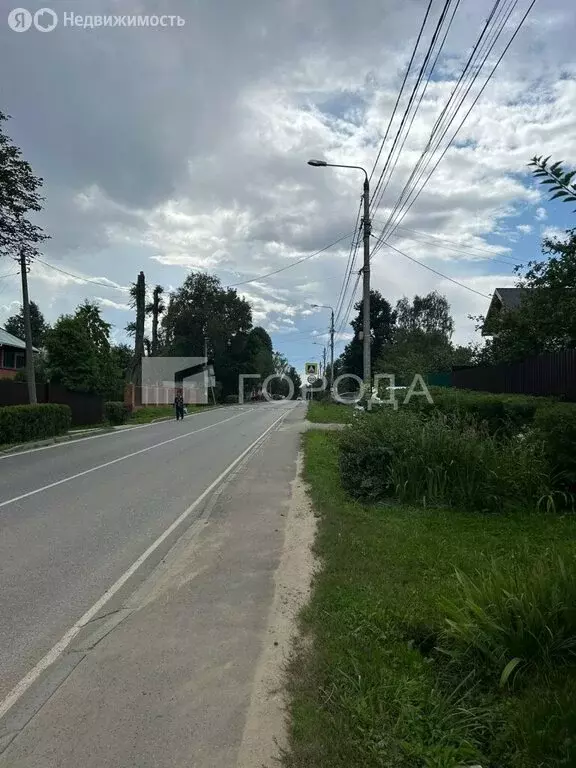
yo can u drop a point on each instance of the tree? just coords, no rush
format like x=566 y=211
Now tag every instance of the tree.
x=138 y=302
x=545 y=321
x=19 y=195
x=80 y=355
x=155 y=308
x=201 y=309
x=560 y=181
x=382 y=321
x=421 y=340
x=15 y=325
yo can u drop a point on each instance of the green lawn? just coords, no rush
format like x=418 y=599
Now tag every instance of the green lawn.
x=148 y=413
x=329 y=413
x=369 y=686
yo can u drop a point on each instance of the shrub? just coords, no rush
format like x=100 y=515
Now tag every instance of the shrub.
x=19 y=423
x=556 y=426
x=116 y=413
x=231 y=399
x=515 y=619
x=441 y=460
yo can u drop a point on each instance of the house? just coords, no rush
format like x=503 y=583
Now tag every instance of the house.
x=12 y=354
x=503 y=300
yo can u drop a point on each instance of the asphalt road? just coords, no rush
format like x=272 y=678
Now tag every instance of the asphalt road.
x=74 y=517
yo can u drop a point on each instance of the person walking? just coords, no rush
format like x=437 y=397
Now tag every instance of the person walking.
x=179 y=405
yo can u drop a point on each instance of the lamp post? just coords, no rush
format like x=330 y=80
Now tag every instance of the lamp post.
x=327 y=306
x=366 y=224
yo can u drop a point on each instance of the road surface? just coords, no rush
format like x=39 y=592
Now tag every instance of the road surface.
x=84 y=524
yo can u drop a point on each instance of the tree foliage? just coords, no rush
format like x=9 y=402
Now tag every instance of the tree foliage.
x=19 y=196
x=15 y=325
x=554 y=176
x=545 y=321
x=80 y=355
x=382 y=321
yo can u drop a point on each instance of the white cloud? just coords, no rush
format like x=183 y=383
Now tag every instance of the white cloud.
x=209 y=171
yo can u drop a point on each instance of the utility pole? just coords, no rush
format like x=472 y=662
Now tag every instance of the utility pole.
x=324 y=366
x=366 y=291
x=331 y=349
x=365 y=269
x=30 y=375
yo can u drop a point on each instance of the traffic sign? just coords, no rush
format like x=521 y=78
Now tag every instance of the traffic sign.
x=311 y=369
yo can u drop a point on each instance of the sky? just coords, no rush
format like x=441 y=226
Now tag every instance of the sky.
x=174 y=148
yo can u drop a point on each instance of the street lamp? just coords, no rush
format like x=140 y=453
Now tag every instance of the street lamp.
x=327 y=306
x=366 y=266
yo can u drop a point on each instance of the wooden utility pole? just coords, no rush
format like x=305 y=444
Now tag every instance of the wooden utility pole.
x=30 y=374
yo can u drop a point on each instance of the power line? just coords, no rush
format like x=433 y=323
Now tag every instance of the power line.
x=406 y=74
x=437 y=244
x=9 y=274
x=78 y=277
x=351 y=259
x=293 y=264
x=409 y=203
x=436 y=272
x=469 y=248
x=379 y=192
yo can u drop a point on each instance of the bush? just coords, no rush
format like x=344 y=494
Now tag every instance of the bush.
x=231 y=399
x=515 y=619
x=116 y=413
x=19 y=423
x=556 y=426
x=501 y=414
x=441 y=460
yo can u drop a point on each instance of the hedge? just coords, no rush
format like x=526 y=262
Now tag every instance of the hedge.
x=20 y=423
x=116 y=412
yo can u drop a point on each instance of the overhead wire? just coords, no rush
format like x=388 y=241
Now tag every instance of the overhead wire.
x=483 y=47
x=406 y=198
x=406 y=74
x=350 y=262
x=79 y=277
x=289 y=266
x=436 y=272
x=380 y=190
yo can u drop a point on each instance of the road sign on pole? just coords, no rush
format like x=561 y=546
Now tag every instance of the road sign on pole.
x=311 y=369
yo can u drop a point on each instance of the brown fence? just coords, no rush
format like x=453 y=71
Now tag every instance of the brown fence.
x=86 y=408
x=549 y=374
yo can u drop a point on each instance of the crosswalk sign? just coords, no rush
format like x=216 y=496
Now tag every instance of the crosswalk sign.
x=311 y=369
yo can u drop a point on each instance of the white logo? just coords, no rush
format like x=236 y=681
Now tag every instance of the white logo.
x=19 y=19
x=45 y=20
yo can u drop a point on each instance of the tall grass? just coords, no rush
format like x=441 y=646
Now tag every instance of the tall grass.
x=442 y=460
x=515 y=618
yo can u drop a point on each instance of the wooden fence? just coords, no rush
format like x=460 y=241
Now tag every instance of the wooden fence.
x=550 y=374
x=85 y=408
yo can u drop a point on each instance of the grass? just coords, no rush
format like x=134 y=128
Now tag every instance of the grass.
x=150 y=412
x=369 y=686
x=329 y=413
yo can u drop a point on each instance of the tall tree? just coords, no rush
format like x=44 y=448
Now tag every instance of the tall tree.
x=15 y=325
x=19 y=237
x=201 y=309
x=155 y=308
x=79 y=352
x=382 y=322
x=138 y=302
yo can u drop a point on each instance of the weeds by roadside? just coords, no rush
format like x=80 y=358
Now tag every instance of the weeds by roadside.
x=371 y=685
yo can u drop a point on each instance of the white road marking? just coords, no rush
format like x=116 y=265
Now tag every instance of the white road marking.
x=115 y=461
x=20 y=688
x=67 y=443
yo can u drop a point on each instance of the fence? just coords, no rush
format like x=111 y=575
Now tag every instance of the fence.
x=550 y=374
x=85 y=408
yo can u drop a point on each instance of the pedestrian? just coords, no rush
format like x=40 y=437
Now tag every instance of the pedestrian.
x=179 y=405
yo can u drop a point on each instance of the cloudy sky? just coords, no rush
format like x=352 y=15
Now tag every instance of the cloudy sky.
x=176 y=148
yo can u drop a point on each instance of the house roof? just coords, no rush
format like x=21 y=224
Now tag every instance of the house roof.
x=7 y=340
x=502 y=299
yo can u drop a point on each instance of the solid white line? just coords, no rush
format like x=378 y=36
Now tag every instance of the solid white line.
x=115 y=461
x=113 y=433
x=57 y=650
